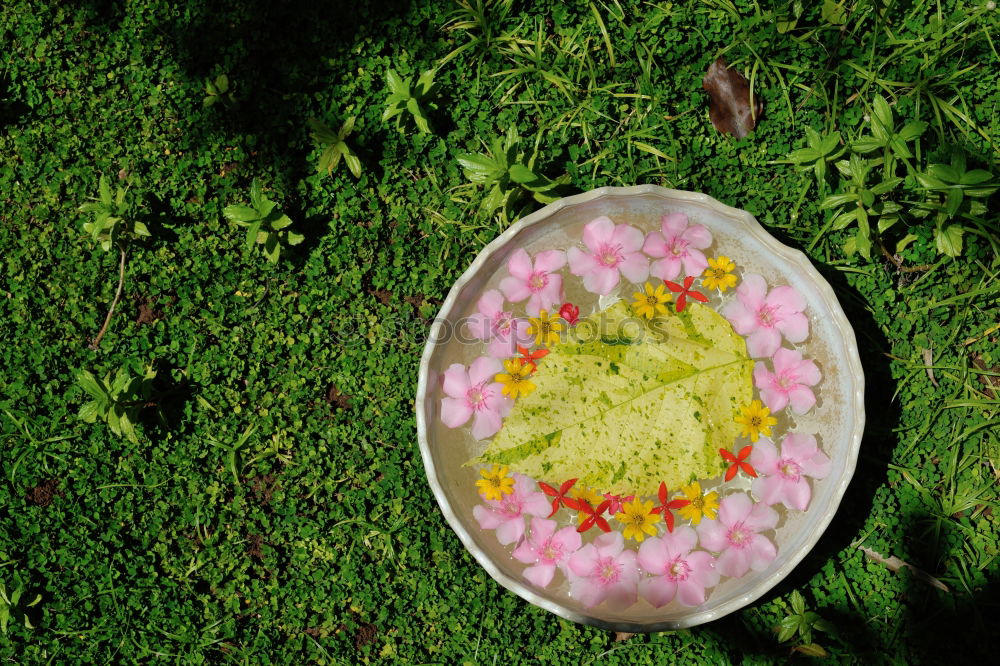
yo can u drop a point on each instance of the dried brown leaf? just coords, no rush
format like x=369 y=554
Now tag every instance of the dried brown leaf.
x=729 y=100
x=929 y=366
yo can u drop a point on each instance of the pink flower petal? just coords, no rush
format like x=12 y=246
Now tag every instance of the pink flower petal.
x=775 y=400
x=768 y=489
x=568 y=539
x=515 y=289
x=541 y=530
x=490 y=303
x=787 y=298
x=712 y=535
x=673 y=224
x=681 y=541
x=784 y=360
x=635 y=267
x=510 y=530
x=597 y=232
x=802 y=399
x=630 y=238
x=817 y=466
x=580 y=262
x=535 y=504
x=601 y=280
x=588 y=592
x=525 y=552
x=486 y=517
x=762 y=553
x=744 y=320
x=609 y=544
x=752 y=291
x=583 y=561
x=734 y=562
x=484 y=369
x=763 y=342
x=690 y=593
x=519 y=264
x=486 y=424
x=703 y=568
x=796 y=494
x=455 y=411
x=809 y=373
x=653 y=556
x=798 y=446
x=794 y=326
x=667 y=268
x=761 y=518
x=698 y=236
x=764 y=456
x=657 y=590
x=502 y=347
x=734 y=508
x=540 y=574
x=625 y=592
x=550 y=260
x=761 y=375
x=479 y=326
x=655 y=245
x=694 y=262
x=456 y=381
x=524 y=485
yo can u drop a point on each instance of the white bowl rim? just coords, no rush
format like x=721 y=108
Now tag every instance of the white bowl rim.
x=854 y=370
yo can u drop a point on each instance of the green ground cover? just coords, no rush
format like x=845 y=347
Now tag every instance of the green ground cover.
x=250 y=491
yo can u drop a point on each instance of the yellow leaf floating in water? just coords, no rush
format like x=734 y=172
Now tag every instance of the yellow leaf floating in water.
x=623 y=405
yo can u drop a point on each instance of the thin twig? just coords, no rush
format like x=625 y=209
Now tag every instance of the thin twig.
x=898 y=263
x=118 y=294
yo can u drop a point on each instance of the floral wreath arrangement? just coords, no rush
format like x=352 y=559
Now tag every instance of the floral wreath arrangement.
x=602 y=428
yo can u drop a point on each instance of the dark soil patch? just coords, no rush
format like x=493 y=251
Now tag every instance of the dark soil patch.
x=336 y=399
x=384 y=296
x=44 y=492
x=255 y=549
x=263 y=486
x=365 y=635
x=147 y=310
x=990 y=382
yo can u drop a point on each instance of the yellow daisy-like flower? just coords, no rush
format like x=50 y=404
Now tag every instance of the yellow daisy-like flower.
x=719 y=274
x=515 y=381
x=651 y=303
x=638 y=519
x=700 y=505
x=588 y=495
x=545 y=328
x=495 y=483
x=756 y=420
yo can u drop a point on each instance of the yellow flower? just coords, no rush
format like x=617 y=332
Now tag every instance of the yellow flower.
x=545 y=328
x=700 y=505
x=515 y=381
x=719 y=274
x=756 y=420
x=638 y=519
x=495 y=483
x=588 y=495
x=651 y=303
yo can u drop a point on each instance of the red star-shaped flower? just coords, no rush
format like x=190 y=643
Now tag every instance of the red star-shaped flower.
x=594 y=516
x=529 y=357
x=616 y=502
x=570 y=313
x=560 y=496
x=666 y=507
x=738 y=462
x=684 y=292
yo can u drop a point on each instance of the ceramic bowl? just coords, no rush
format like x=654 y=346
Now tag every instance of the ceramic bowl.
x=838 y=418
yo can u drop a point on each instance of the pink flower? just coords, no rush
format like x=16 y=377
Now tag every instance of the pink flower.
x=766 y=316
x=604 y=570
x=474 y=392
x=735 y=534
x=675 y=570
x=785 y=472
x=612 y=249
x=539 y=283
x=499 y=326
x=789 y=382
x=677 y=244
x=546 y=549
x=506 y=515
